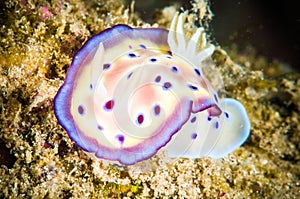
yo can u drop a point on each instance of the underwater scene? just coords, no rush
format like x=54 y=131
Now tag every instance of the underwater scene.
x=146 y=99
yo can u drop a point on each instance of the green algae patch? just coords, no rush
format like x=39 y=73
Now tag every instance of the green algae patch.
x=37 y=42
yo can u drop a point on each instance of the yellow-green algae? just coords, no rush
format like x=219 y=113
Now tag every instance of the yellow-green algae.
x=37 y=42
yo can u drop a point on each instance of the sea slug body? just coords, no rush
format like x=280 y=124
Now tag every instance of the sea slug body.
x=130 y=92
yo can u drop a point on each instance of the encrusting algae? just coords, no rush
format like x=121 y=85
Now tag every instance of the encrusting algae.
x=38 y=160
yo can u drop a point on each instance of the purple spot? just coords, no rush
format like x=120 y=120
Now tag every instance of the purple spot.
x=157 y=79
x=157 y=110
x=109 y=105
x=129 y=75
x=169 y=57
x=143 y=46
x=208 y=118
x=120 y=138
x=140 y=119
x=153 y=60
x=216 y=98
x=195 y=88
x=80 y=109
x=106 y=66
x=197 y=72
x=226 y=114
x=132 y=55
x=167 y=85
x=130 y=46
x=100 y=127
x=194 y=136
x=216 y=124
x=91 y=86
x=193 y=119
x=174 y=69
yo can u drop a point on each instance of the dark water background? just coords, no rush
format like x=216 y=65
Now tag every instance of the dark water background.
x=271 y=27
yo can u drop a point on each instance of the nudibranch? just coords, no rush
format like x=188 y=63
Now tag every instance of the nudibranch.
x=130 y=92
